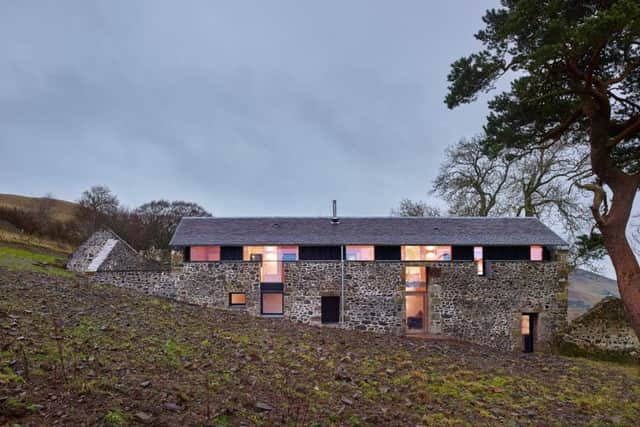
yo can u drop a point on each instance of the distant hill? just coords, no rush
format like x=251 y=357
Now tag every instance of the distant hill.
x=586 y=289
x=61 y=209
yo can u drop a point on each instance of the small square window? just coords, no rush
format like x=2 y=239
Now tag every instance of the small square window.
x=237 y=298
x=536 y=253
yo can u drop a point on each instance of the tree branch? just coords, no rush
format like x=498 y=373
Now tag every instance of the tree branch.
x=627 y=71
x=634 y=126
x=557 y=132
x=599 y=200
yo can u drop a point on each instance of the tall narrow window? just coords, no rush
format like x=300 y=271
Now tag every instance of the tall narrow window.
x=536 y=253
x=360 y=253
x=204 y=253
x=415 y=278
x=478 y=258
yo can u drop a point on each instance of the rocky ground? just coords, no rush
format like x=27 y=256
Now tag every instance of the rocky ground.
x=72 y=353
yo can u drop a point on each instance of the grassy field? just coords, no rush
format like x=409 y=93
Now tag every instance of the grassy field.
x=61 y=209
x=15 y=257
x=75 y=353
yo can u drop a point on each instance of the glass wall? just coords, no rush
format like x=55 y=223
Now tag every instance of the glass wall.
x=204 y=253
x=426 y=253
x=415 y=278
x=536 y=253
x=271 y=257
x=360 y=253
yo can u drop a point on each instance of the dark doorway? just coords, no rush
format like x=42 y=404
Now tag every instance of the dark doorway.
x=330 y=309
x=528 y=328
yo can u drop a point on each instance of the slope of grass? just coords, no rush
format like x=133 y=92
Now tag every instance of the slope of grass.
x=99 y=355
x=62 y=210
x=25 y=258
x=10 y=236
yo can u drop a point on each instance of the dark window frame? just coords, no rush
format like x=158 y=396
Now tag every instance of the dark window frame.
x=231 y=304
x=262 y=294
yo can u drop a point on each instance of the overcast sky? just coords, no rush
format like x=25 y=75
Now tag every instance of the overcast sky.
x=248 y=108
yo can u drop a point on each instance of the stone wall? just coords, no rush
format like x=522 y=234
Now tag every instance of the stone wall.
x=158 y=283
x=604 y=331
x=487 y=309
x=209 y=284
x=481 y=309
x=124 y=258
x=81 y=258
x=121 y=258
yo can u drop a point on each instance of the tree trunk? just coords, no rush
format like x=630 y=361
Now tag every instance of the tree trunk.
x=613 y=224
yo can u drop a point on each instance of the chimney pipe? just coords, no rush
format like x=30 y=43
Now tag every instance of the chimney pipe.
x=334 y=219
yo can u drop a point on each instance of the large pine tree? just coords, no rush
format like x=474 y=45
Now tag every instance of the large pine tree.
x=575 y=70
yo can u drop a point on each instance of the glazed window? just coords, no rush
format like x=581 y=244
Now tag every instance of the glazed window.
x=271 y=257
x=426 y=253
x=359 y=253
x=237 y=298
x=272 y=303
x=536 y=253
x=478 y=258
x=204 y=253
x=415 y=278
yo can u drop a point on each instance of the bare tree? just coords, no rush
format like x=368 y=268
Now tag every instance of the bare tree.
x=416 y=208
x=540 y=182
x=96 y=204
x=470 y=181
x=161 y=217
x=542 y=185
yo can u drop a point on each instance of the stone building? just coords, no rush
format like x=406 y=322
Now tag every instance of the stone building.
x=501 y=282
x=603 y=332
x=104 y=250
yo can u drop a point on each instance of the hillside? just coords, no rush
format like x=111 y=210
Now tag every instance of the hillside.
x=76 y=353
x=61 y=210
x=586 y=289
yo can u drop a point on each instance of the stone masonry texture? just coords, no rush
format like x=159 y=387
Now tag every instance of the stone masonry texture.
x=481 y=309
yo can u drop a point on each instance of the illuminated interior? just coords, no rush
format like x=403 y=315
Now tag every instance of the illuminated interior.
x=204 y=253
x=478 y=258
x=272 y=303
x=426 y=253
x=271 y=257
x=415 y=309
x=237 y=299
x=536 y=253
x=415 y=278
x=359 y=253
x=526 y=329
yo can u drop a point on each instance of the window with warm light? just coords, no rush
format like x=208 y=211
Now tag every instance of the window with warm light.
x=536 y=253
x=237 y=298
x=525 y=324
x=270 y=257
x=272 y=303
x=204 y=253
x=426 y=253
x=415 y=278
x=478 y=258
x=359 y=253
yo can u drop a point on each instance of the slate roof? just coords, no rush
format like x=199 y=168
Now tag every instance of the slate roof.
x=364 y=230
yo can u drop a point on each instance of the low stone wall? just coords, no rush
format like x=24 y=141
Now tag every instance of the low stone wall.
x=602 y=332
x=124 y=258
x=158 y=283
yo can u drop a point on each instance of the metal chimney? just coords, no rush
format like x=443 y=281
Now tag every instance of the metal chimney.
x=334 y=218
